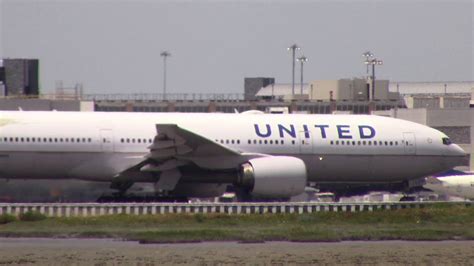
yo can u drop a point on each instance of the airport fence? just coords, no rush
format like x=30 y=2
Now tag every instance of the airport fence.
x=99 y=209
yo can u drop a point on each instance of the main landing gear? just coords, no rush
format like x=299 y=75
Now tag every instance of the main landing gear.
x=116 y=197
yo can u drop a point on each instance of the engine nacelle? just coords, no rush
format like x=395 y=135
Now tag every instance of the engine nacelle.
x=274 y=177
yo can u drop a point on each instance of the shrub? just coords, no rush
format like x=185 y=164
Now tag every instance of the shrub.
x=31 y=216
x=7 y=218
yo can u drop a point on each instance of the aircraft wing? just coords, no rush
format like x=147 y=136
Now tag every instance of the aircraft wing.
x=172 y=139
x=174 y=146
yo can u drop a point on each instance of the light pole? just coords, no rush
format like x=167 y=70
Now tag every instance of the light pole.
x=367 y=56
x=164 y=54
x=373 y=62
x=302 y=59
x=293 y=49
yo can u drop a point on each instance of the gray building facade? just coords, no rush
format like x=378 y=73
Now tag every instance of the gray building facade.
x=20 y=77
x=253 y=85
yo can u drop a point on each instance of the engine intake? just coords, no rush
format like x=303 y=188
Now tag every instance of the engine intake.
x=274 y=177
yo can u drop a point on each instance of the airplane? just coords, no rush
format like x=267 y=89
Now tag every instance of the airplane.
x=262 y=156
x=460 y=185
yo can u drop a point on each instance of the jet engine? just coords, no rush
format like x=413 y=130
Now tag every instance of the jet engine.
x=273 y=177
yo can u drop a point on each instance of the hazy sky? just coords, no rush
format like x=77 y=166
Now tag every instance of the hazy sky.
x=114 y=46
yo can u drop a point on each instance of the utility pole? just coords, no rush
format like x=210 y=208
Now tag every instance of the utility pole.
x=164 y=54
x=293 y=49
x=302 y=60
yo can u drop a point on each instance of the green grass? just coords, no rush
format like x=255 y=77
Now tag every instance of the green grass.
x=438 y=222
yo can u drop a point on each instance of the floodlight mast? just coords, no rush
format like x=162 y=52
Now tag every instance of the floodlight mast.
x=373 y=62
x=302 y=59
x=367 y=56
x=293 y=49
x=164 y=54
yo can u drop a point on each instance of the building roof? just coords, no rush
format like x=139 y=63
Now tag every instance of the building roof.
x=279 y=90
x=440 y=87
x=404 y=87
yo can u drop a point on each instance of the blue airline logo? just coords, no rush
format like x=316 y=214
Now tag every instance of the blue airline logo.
x=343 y=131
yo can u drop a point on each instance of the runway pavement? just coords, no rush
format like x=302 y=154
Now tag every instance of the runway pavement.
x=40 y=251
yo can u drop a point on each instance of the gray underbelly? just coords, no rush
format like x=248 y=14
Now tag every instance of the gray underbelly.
x=321 y=168
x=372 y=168
x=52 y=165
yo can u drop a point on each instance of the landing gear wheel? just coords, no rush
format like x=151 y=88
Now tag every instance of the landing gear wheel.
x=407 y=198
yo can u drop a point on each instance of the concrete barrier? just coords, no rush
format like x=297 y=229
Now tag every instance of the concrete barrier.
x=99 y=209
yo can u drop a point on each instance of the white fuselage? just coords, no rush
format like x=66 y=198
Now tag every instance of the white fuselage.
x=335 y=148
